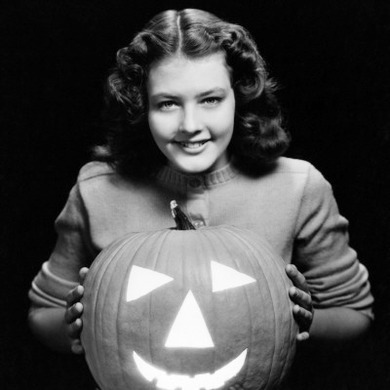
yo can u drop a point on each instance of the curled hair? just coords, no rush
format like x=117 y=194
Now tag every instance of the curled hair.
x=258 y=137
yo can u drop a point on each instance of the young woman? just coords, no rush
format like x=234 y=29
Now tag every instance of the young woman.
x=194 y=118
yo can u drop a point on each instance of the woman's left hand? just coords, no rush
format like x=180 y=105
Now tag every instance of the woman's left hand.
x=303 y=306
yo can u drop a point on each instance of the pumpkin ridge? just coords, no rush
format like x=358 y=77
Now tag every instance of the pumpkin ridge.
x=98 y=283
x=161 y=241
x=121 y=295
x=98 y=303
x=182 y=281
x=119 y=303
x=244 y=244
x=123 y=245
x=266 y=276
x=135 y=252
x=292 y=326
x=93 y=326
x=281 y=285
x=292 y=332
x=211 y=240
x=246 y=367
x=289 y=350
x=291 y=329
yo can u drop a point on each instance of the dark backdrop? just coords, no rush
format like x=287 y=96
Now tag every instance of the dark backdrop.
x=332 y=61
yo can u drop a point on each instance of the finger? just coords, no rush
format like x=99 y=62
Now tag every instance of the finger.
x=303 y=317
x=83 y=273
x=76 y=347
x=235 y=387
x=301 y=298
x=74 y=329
x=297 y=277
x=75 y=295
x=73 y=312
x=304 y=336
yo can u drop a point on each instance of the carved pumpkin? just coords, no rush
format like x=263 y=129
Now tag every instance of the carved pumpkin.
x=188 y=309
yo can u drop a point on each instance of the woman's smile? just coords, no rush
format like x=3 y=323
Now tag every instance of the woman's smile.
x=192 y=146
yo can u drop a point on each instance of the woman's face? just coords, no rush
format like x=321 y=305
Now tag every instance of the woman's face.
x=191 y=111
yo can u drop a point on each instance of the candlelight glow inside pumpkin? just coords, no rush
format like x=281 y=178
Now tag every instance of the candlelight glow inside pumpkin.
x=207 y=381
x=189 y=329
x=189 y=310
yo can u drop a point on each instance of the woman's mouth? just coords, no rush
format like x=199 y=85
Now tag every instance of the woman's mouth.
x=190 y=145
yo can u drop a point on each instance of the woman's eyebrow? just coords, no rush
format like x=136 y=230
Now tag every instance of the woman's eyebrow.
x=211 y=91
x=167 y=95
x=163 y=95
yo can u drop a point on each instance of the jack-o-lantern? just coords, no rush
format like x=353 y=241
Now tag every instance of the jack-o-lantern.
x=188 y=309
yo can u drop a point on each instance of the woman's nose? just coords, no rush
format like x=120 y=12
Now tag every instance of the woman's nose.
x=190 y=121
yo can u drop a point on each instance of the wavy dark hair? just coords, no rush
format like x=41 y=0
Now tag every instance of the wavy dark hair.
x=258 y=136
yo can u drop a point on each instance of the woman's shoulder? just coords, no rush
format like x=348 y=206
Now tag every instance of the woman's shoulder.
x=303 y=175
x=95 y=169
x=297 y=175
x=285 y=169
x=97 y=179
x=292 y=165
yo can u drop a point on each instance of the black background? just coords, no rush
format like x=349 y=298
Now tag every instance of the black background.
x=332 y=62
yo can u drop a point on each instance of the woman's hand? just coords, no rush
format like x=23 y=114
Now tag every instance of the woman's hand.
x=303 y=307
x=74 y=310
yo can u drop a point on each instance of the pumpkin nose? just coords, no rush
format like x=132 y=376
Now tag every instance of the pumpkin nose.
x=189 y=329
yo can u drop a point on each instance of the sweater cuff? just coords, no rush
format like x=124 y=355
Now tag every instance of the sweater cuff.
x=49 y=290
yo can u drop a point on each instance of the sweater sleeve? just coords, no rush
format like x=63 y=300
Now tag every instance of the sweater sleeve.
x=322 y=252
x=72 y=251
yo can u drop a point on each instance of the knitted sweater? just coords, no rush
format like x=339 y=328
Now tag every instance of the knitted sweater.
x=291 y=205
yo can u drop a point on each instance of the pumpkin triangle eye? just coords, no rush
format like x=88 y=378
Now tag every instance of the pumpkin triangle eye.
x=224 y=277
x=189 y=329
x=142 y=281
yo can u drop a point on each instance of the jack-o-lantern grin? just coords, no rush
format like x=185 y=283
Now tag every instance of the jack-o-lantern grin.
x=207 y=381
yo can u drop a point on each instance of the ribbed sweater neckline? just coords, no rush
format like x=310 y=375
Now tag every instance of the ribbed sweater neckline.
x=173 y=178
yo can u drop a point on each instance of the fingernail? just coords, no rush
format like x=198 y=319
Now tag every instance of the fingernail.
x=293 y=291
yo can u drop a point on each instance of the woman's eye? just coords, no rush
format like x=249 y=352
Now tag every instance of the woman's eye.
x=166 y=105
x=212 y=101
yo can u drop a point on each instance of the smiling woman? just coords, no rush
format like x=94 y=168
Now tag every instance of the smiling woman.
x=225 y=55
x=191 y=111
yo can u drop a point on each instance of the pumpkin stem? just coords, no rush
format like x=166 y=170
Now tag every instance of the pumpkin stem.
x=181 y=220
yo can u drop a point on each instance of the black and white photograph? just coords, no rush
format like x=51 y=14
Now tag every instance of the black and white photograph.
x=195 y=195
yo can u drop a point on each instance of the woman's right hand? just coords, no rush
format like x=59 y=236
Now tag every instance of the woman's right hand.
x=74 y=310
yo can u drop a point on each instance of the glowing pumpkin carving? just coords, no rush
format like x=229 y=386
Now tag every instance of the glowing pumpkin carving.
x=188 y=309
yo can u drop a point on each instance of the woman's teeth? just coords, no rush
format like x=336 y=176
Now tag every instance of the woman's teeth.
x=192 y=145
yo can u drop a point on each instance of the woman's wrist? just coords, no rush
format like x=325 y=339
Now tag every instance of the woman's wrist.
x=49 y=326
x=339 y=325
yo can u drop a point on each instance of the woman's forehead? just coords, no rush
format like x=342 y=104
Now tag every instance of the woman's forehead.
x=178 y=72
